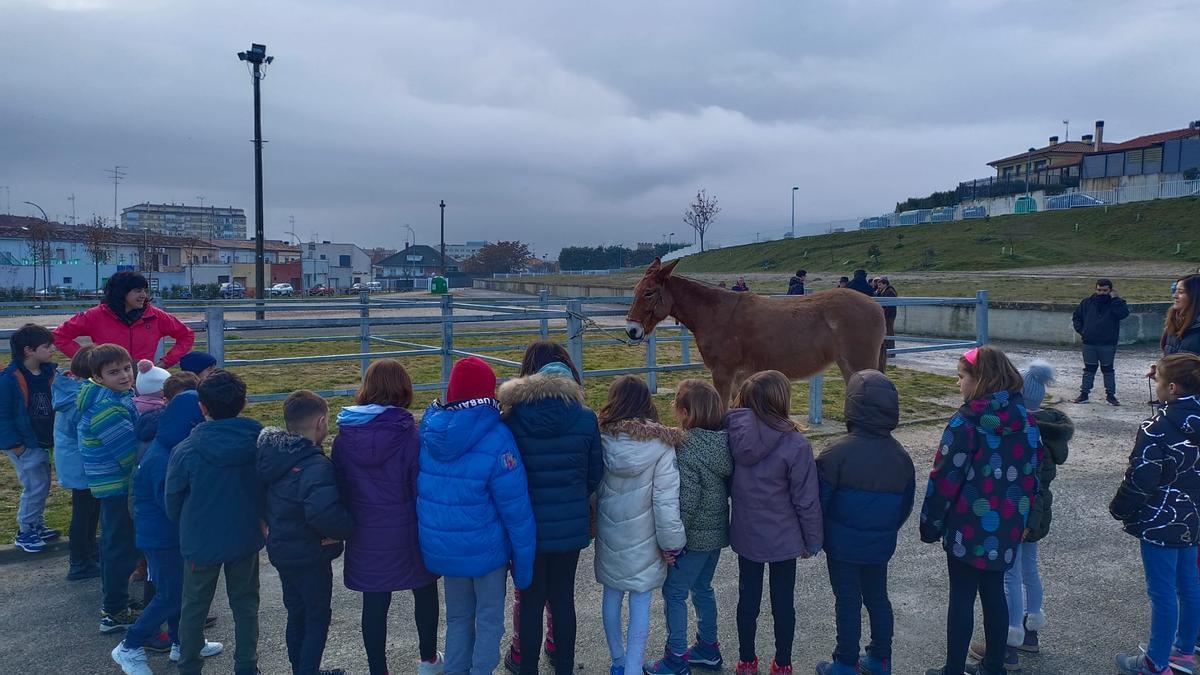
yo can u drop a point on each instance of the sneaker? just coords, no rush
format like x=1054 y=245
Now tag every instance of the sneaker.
x=209 y=649
x=160 y=643
x=29 y=541
x=512 y=661
x=47 y=533
x=616 y=670
x=132 y=661
x=1183 y=663
x=111 y=623
x=434 y=667
x=1082 y=398
x=669 y=664
x=1012 y=661
x=747 y=667
x=83 y=571
x=836 y=668
x=1138 y=664
x=783 y=670
x=1112 y=400
x=706 y=654
x=1030 y=644
x=869 y=665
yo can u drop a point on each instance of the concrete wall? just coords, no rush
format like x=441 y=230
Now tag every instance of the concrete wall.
x=1037 y=322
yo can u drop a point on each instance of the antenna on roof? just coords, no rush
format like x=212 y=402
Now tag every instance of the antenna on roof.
x=1066 y=128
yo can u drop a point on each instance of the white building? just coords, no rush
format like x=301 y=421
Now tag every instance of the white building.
x=464 y=251
x=335 y=265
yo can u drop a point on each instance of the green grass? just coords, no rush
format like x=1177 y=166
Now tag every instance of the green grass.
x=922 y=395
x=1131 y=232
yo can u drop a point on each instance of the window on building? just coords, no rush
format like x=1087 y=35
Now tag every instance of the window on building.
x=66 y=281
x=343 y=261
x=322 y=256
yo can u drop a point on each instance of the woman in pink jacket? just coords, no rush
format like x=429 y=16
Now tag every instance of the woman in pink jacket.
x=127 y=318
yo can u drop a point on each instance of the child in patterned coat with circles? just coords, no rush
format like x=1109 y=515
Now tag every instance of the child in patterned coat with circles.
x=977 y=503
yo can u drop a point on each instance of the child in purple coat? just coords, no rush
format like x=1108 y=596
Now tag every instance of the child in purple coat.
x=376 y=455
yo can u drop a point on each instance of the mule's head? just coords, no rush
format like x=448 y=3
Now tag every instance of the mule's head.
x=651 y=300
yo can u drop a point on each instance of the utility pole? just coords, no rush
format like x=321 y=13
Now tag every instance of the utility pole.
x=442 y=206
x=794 y=189
x=116 y=173
x=257 y=58
x=72 y=200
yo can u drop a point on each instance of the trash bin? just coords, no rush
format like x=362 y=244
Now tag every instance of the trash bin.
x=439 y=286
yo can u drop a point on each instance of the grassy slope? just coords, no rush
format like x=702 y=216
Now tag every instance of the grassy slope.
x=1132 y=232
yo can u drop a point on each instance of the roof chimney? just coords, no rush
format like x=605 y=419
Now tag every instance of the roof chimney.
x=1054 y=140
x=1086 y=138
x=1099 y=135
x=1194 y=125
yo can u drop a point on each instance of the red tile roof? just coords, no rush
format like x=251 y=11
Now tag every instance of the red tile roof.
x=1152 y=139
x=1077 y=148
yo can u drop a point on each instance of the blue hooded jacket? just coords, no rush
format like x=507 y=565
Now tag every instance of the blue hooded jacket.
x=15 y=427
x=154 y=530
x=473 y=509
x=68 y=462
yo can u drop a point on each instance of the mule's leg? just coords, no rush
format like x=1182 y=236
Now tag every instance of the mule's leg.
x=723 y=381
x=844 y=366
x=738 y=378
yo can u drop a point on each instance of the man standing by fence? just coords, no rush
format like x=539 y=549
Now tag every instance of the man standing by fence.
x=1098 y=321
x=884 y=289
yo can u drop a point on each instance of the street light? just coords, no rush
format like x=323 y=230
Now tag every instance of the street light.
x=41 y=247
x=442 y=206
x=794 y=188
x=1028 y=171
x=670 y=239
x=257 y=58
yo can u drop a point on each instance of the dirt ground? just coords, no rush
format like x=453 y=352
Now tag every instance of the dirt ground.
x=1095 y=596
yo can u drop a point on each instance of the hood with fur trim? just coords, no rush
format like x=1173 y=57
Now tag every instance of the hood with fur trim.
x=632 y=446
x=537 y=387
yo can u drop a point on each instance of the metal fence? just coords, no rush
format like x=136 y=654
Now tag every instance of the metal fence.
x=574 y=315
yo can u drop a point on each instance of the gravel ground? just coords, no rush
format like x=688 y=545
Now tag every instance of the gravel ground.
x=1096 y=600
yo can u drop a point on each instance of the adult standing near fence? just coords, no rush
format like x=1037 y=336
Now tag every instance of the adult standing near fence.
x=885 y=289
x=1098 y=321
x=741 y=286
x=796 y=283
x=860 y=284
x=125 y=317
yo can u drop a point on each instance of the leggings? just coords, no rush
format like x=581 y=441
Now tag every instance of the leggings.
x=553 y=583
x=783 y=607
x=965 y=583
x=374 y=625
x=628 y=655
x=85 y=522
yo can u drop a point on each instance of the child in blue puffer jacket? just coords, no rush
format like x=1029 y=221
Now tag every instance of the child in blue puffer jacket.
x=473 y=514
x=68 y=465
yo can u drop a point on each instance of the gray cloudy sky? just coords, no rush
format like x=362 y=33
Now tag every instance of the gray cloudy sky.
x=560 y=122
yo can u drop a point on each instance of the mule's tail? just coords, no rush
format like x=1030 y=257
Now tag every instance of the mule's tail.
x=883 y=357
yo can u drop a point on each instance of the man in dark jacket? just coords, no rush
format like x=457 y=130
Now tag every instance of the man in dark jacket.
x=885 y=289
x=868 y=483
x=214 y=494
x=796 y=283
x=306 y=523
x=860 y=284
x=1098 y=321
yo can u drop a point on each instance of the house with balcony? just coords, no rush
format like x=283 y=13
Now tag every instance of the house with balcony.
x=413 y=262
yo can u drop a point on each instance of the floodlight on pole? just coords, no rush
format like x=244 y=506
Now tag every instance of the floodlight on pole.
x=257 y=58
x=794 y=189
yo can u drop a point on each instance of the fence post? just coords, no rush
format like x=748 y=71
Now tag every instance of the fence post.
x=575 y=334
x=447 y=340
x=652 y=361
x=364 y=332
x=981 y=317
x=685 y=340
x=215 y=320
x=816 y=390
x=544 y=323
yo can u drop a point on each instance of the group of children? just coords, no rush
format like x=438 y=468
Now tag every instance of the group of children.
x=519 y=480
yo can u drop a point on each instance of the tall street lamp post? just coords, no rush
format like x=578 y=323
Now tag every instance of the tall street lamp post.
x=794 y=189
x=42 y=247
x=257 y=58
x=442 y=206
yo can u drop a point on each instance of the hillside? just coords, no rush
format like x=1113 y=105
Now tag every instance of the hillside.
x=1146 y=231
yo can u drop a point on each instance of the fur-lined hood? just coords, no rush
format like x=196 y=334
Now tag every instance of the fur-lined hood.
x=644 y=430
x=537 y=387
x=632 y=447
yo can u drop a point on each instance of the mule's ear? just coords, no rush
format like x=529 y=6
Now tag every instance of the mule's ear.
x=654 y=267
x=666 y=270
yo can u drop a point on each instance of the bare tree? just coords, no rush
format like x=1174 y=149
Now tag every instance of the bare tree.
x=701 y=214
x=98 y=240
x=38 y=246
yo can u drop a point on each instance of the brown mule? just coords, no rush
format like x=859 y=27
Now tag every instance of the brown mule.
x=740 y=333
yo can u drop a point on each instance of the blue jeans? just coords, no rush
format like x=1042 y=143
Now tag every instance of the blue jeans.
x=1023 y=589
x=166 y=568
x=33 y=472
x=1173 y=584
x=307 y=595
x=856 y=586
x=118 y=555
x=626 y=651
x=692 y=573
x=475 y=622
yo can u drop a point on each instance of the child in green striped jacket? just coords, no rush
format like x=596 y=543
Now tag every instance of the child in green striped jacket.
x=108 y=444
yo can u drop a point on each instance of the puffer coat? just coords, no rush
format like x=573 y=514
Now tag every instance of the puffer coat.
x=1056 y=430
x=705 y=467
x=637 y=505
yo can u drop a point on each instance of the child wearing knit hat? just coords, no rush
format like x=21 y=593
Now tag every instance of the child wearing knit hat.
x=149 y=387
x=473 y=514
x=200 y=363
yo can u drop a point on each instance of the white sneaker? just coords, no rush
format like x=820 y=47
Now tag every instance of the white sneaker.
x=209 y=649
x=434 y=668
x=132 y=661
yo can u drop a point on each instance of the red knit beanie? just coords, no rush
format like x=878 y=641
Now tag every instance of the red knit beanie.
x=471 y=378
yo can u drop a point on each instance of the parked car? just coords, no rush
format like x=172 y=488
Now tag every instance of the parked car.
x=368 y=286
x=1072 y=200
x=231 y=290
x=321 y=289
x=282 y=290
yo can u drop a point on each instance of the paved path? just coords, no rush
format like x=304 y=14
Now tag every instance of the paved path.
x=1096 y=601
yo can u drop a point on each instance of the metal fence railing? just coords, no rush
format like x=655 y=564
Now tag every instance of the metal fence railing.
x=521 y=317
